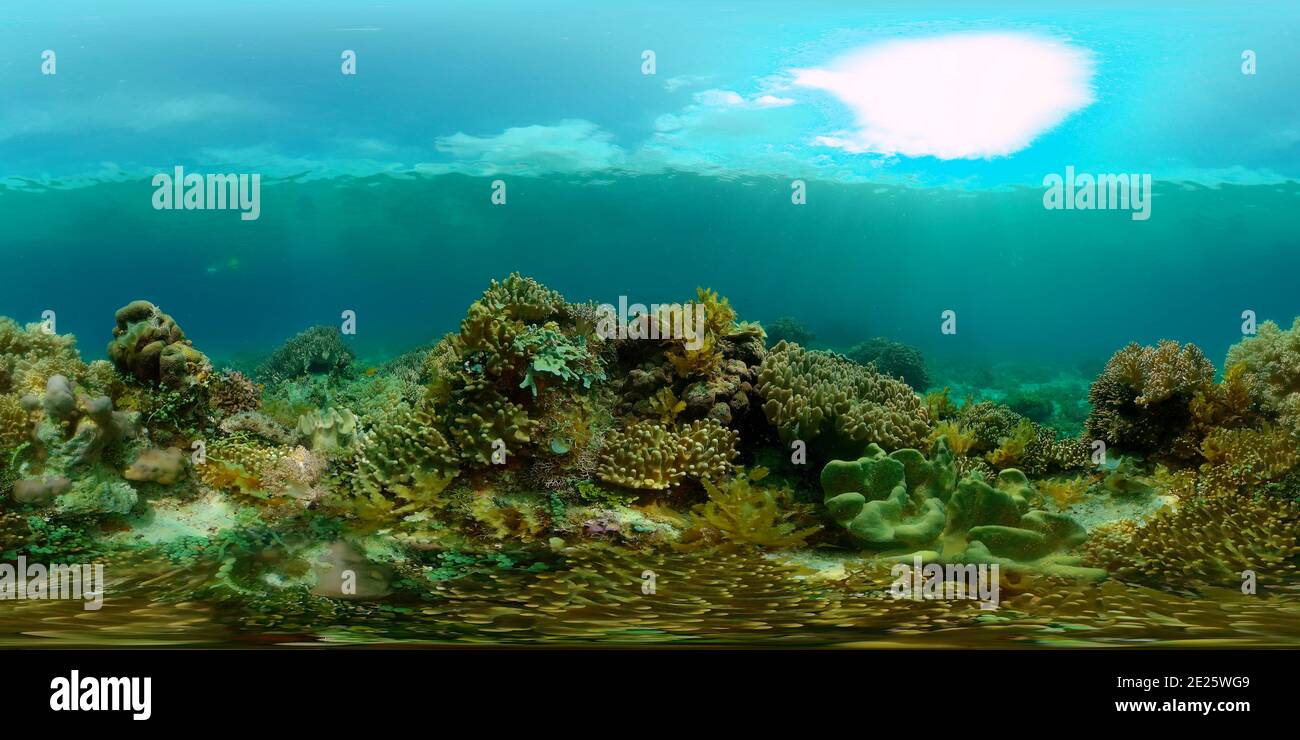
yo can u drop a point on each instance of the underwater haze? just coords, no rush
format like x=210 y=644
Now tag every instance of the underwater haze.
x=376 y=186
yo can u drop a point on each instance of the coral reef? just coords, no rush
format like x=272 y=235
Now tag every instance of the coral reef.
x=894 y=359
x=1141 y=401
x=529 y=440
x=649 y=456
x=319 y=350
x=837 y=405
x=788 y=329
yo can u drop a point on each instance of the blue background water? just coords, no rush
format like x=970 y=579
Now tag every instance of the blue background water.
x=373 y=201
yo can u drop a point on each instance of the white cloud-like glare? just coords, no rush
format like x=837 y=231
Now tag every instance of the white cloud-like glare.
x=572 y=146
x=957 y=96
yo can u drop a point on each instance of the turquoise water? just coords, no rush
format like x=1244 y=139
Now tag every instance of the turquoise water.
x=376 y=187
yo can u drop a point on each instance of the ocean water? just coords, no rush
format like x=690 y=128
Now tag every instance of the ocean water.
x=870 y=169
x=376 y=187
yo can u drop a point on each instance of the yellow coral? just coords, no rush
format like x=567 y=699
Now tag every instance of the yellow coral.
x=649 y=456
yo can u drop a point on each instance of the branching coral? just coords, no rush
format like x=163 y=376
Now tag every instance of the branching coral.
x=1209 y=541
x=649 y=456
x=1270 y=364
x=1141 y=402
x=827 y=400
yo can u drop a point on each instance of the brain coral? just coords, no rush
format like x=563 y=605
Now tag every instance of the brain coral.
x=823 y=398
x=1141 y=400
x=1271 y=362
x=651 y=456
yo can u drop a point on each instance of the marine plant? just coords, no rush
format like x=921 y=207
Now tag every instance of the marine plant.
x=740 y=511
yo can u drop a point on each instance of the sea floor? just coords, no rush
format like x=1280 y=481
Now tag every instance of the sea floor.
x=596 y=598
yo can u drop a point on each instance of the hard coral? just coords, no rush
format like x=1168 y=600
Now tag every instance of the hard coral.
x=649 y=456
x=827 y=400
x=1141 y=401
x=1270 y=363
x=319 y=350
x=894 y=359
